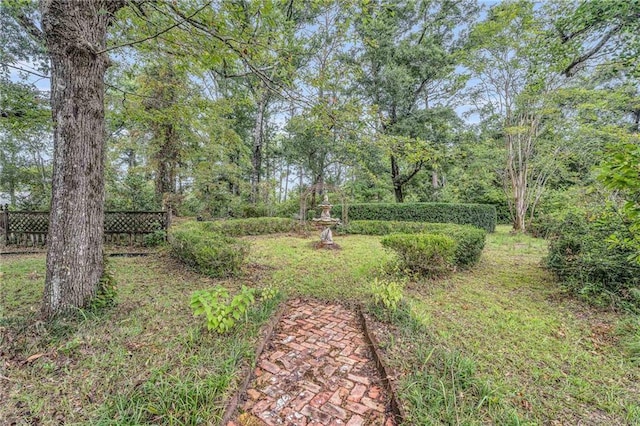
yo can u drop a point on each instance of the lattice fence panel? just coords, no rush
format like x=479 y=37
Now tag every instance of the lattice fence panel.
x=133 y=222
x=30 y=228
x=29 y=222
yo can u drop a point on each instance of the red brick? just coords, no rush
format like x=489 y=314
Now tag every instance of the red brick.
x=301 y=400
x=253 y=394
x=355 y=420
x=372 y=404
x=347 y=384
x=334 y=410
x=276 y=355
x=329 y=370
x=261 y=406
x=297 y=347
x=356 y=408
x=346 y=360
x=311 y=386
x=269 y=366
x=347 y=350
x=359 y=379
x=336 y=398
x=357 y=392
x=320 y=399
x=374 y=392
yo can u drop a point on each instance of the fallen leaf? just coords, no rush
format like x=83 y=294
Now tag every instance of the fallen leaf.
x=34 y=357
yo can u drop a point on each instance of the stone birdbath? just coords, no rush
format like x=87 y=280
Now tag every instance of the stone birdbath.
x=325 y=221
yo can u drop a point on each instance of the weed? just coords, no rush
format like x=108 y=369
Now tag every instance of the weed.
x=220 y=313
x=386 y=293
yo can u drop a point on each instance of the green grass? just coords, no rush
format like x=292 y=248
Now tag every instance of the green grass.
x=297 y=268
x=146 y=361
x=497 y=344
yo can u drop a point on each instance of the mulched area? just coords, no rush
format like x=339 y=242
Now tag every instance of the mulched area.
x=316 y=370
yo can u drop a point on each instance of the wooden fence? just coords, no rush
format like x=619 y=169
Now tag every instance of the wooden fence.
x=30 y=228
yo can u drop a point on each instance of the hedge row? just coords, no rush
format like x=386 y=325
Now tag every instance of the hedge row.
x=479 y=215
x=253 y=226
x=428 y=254
x=210 y=253
x=469 y=240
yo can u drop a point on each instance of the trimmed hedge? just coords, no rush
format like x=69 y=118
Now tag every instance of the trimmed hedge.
x=210 y=253
x=469 y=240
x=253 y=226
x=479 y=215
x=428 y=254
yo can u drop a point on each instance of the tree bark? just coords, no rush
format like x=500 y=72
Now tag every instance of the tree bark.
x=167 y=159
x=256 y=154
x=74 y=31
x=395 y=178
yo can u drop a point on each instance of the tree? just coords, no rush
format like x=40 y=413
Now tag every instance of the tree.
x=74 y=34
x=516 y=84
x=589 y=31
x=404 y=64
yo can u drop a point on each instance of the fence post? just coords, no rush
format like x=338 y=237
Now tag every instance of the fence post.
x=5 y=213
x=167 y=220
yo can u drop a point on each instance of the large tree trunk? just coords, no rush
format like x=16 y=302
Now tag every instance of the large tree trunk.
x=396 y=180
x=74 y=31
x=167 y=159
x=256 y=154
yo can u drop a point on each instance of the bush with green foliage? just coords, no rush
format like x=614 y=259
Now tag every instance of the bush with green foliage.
x=479 y=215
x=386 y=293
x=221 y=313
x=427 y=254
x=584 y=255
x=155 y=239
x=253 y=226
x=210 y=253
x=469 y=240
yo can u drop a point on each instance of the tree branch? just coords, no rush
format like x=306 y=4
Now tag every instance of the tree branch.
x=570 y=70
x=169 y=28
x=30 y=27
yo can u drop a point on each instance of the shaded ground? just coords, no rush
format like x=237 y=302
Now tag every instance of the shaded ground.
x=317 y=370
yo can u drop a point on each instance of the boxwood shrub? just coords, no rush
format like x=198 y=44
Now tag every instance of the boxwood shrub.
x=469 y=240
x=253 y=226
x=479 y=215
x=427 y=254
x=210 y=253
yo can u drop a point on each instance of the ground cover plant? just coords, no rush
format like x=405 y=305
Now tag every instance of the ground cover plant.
x=146 y=360
x=499 y=343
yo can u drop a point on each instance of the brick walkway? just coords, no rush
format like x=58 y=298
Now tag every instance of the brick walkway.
x=317 y=370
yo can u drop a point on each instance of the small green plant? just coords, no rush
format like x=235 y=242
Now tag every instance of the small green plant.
x=107 y=289
x=386 y=293
x=268 y=293
x=222 y=314
x=155 y=239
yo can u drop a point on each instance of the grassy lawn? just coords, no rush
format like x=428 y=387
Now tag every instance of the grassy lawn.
x=146 y=361
x=498 y=344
